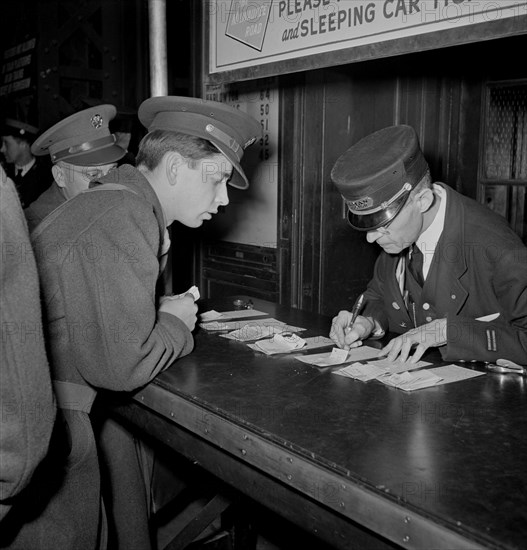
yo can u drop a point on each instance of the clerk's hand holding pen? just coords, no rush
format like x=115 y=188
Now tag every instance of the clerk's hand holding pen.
x=348 y=328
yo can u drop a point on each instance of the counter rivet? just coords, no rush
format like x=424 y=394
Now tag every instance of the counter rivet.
x=172 y=414
x=289 y=477
x=343 y=487
x=244 y=452
x=407 y=519
x=246 y=437
x=289 y=459
x=342 y=505
x=406 y=539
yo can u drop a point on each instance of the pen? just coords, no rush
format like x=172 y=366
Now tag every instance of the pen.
x=355 y=311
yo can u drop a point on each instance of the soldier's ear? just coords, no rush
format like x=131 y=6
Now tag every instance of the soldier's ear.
x=58 y=175
x=173 y=160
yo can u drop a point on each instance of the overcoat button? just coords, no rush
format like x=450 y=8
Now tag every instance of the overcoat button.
x=453 y=296
x=395 y=305
x=426 y=306
x=429 y=319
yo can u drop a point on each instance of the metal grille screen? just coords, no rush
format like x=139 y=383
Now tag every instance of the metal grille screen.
x=504 y=174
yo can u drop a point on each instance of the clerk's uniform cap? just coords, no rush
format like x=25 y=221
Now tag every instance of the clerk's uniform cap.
x=376 y=175
x=18 y=128
x=82 y=139
x=230 y=130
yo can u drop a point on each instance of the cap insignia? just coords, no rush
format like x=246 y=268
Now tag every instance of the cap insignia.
x=249 y=142
x=361 y=204
x=96 y=121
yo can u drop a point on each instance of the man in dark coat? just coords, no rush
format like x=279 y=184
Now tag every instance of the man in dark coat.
x=452 y=274
x=99 y=257
x=31 y=176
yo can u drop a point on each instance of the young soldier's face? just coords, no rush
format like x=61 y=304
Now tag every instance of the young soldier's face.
x=201 y=188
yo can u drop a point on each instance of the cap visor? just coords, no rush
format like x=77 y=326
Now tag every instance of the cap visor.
x=107 y=155
x=370 y=222
x=238 y=179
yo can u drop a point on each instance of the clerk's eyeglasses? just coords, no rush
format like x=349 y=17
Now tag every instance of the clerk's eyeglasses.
x=383 y=229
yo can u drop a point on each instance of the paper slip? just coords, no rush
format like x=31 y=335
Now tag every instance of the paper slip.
x=337 y=356
x=193 y=290
x=363 y=353
x=213 y=315
x=361 y=372
x=279 y=344
x=254 y=332
x=410 y=381
x=394 y=367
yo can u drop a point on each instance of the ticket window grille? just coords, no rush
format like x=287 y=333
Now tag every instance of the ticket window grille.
x=503 y=170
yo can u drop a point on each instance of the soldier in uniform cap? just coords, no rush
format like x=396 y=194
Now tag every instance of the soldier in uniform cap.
x=31 y=176
x=451 y=274
x=100 y=255
x=81 y=149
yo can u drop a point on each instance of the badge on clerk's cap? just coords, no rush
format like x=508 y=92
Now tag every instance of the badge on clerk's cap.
x=375 y=176
x=230 y=130
x=82 y=139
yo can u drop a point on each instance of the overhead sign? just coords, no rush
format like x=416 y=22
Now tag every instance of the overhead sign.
x=18 y=68
x=246 y=33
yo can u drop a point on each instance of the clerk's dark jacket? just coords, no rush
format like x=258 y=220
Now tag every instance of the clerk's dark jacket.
x=479 y=268
x=34 y=182
x=98 y=260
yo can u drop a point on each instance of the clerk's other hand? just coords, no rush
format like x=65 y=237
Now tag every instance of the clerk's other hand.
x=431 y=335
x=350 y=338
x=183 y=307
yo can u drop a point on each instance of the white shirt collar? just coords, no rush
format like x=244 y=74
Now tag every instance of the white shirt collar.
x=427 y=241
x=26 y=168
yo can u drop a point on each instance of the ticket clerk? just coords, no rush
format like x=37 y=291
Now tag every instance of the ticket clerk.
x=451 y=274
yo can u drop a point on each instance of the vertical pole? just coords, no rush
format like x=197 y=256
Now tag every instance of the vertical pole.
x=158 y=47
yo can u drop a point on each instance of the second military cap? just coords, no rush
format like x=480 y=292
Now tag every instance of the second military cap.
x=230 y=130
x=18 y=128
x=82 y=139
x=375 y=176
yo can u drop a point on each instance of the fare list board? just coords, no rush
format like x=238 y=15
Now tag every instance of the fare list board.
x=251 y=217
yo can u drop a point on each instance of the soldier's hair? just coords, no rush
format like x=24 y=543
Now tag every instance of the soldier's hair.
x=157 y=143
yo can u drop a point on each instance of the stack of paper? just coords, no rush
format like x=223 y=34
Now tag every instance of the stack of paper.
x=361 y=372
x=378 y=369
x=410 y=381
x=279 y=344
x=235 y=325
x=213 y=315
x=254 y=332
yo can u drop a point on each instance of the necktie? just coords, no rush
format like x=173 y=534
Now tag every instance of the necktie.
x=415 y=265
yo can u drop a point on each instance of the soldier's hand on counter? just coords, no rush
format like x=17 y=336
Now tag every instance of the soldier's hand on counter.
x=183 y=307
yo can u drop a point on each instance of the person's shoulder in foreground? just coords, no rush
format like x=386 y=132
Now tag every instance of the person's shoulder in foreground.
x=26 y=387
